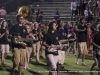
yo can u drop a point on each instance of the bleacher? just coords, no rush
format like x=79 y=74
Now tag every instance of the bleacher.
x=49 y=9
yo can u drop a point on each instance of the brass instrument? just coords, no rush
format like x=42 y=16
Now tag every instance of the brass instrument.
x=25 y=11
x=66 y=40
x=57 y=47
x=20 y=41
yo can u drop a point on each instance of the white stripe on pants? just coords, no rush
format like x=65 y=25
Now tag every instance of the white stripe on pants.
x=61 y=55
x=52 y=59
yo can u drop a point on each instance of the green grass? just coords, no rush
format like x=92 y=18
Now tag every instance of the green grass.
x=42 y=69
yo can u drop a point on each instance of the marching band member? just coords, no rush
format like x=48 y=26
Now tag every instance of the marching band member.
x=96 y=47
x=51 y=39
x=62 y=36
x=82 y=39
x=94 y=55
x=72 y=44
x=43 y=31
x=29 y=47
x=36 y=44
x=19 y=51
x=4 y=43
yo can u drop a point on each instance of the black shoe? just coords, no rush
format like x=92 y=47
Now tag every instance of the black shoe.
x=91 y=73
x=3 y=65
x=12 y=72
x=37 y=62
x=62 y=67
x=22 y=73
x=41 y=56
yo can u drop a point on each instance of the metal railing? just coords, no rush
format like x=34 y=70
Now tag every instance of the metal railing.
x=47 y=17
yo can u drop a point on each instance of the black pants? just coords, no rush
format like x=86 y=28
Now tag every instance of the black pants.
x=79 y=10
x=39 y=19
x=74 y=12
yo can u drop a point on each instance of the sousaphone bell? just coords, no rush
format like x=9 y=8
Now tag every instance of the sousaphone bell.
x=25 y=11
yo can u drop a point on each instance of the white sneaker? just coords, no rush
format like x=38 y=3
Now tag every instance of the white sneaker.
x=77 y=61
x=96 y=61
x=28 y=68
x=84 y=64
x=25 y=67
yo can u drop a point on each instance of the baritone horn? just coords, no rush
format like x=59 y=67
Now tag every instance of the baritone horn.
x=25 y=11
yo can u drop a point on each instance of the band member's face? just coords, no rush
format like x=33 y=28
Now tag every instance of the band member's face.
x=36 y=25
x=83 y=21
x=62 y=23
x=28 y=28
x=54 y=26
x=4 y=24
x=22 y=20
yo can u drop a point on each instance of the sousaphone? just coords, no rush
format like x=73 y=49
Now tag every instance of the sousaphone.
x=25 y=11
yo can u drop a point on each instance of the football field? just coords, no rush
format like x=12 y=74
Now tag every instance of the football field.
x=42 y=69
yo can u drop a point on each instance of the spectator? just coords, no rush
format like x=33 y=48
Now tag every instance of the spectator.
x=90 y=4
x=3 y=11
x=88 y=14
x=84 y=4
x=38 y=7
x=31 y=7
x=68 y=27
x=71 y=35
x=82 y=41
x=56 y=16
x=96 y=17
x=79 y=6
x=98 y=6
x=74 y=7
x=39 y=16
x=95 y=5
